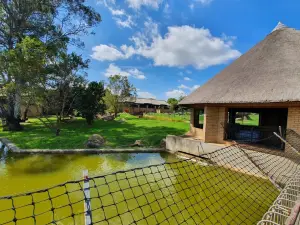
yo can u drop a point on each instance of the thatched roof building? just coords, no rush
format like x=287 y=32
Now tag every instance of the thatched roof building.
x=149 y=101
x=145 y=105
x=268 y=72
x=264 y=81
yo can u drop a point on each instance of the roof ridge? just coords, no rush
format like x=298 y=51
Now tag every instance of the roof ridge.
x=279 y=26
x=153 y=99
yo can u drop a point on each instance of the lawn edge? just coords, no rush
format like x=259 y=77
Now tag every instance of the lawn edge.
x=13 y=148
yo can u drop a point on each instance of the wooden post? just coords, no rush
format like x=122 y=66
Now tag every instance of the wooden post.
x=87 y=198
x=281 y=134
x=283 y=140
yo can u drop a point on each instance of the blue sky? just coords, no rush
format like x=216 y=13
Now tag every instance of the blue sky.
x=168 y=48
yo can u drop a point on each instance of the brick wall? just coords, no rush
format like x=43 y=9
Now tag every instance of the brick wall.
x=293 y=121
x=214 y=120
x=194 y=131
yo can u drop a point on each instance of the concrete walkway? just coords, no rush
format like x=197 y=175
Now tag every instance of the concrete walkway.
x=190 y=145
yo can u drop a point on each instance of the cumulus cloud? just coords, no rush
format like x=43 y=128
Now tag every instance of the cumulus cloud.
x=204 y=2
x=137 y=74
x=167 y=10
x=113 y=70
x=125 y=22
x=187 y=78
x=145 y=94
x=181 y=46
x=180 y=91
x=182 y=86
x=176 y=93
x=194 y=87
x=106 y=52
x=122 y=18
x=116 y=12
x=186 y=45
x=137 y=4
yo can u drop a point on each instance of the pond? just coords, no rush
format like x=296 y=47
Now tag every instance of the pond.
x=176 y=193
x=25 y=173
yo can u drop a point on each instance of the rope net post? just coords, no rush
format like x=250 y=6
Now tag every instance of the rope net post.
x=87 y=198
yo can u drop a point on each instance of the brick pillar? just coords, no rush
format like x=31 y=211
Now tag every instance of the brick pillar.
x=214 y=120
x=293 y=121
x=192 y=122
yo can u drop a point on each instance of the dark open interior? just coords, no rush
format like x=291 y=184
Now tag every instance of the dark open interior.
x=261 y=129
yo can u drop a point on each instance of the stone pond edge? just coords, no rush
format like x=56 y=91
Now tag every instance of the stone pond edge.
x=13 y=148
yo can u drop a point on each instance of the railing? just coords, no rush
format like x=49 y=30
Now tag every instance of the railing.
x=255 y=134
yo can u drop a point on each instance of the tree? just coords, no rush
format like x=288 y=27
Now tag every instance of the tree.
x=89 y=100
x=173 y=102
x=64 y=78
x=26 y=62
x=117 y=92
x=54 y=23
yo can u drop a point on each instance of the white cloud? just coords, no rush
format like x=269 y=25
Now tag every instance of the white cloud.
x=137 y=74
x=194 y=87
x=116 y=12
x=113 y=70
x=105 y=52
x=182 y=86
x=127 y=22
x=119 y=15
x=167 y=10
x=204 y=2
x=186 y=45
x=137 y=4
x=181 y=46
x=175 y=93
x=145 y=94
x=187 y=78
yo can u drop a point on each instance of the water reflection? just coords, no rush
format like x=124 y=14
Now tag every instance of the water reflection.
x=184 y=192
x=26 y=172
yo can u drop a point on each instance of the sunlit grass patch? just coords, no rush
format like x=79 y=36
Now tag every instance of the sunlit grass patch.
x=74 y=134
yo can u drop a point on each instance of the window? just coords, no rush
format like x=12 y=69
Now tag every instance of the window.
x=247 y=118
x=198 y=118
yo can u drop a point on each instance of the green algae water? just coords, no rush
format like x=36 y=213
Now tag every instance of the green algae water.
x=176 y=193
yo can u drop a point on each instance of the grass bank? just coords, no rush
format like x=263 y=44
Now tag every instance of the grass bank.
x=74 y=134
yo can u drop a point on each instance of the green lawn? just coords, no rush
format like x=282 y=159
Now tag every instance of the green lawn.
x=75 y=134
x=172 y=116
x=254 y=120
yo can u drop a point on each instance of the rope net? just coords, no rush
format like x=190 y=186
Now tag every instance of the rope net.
x=233 y=185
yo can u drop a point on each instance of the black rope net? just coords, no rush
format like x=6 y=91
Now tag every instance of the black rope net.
x=233 y=185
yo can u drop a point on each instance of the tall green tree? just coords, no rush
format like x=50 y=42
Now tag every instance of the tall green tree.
x=27 y=62
x=173 y=102
x=89 y=100
x=55 y=23
x=67 y=73
x=118 y=90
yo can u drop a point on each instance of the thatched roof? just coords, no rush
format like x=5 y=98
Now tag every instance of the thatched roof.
x=268 y=72
x=149 y=101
